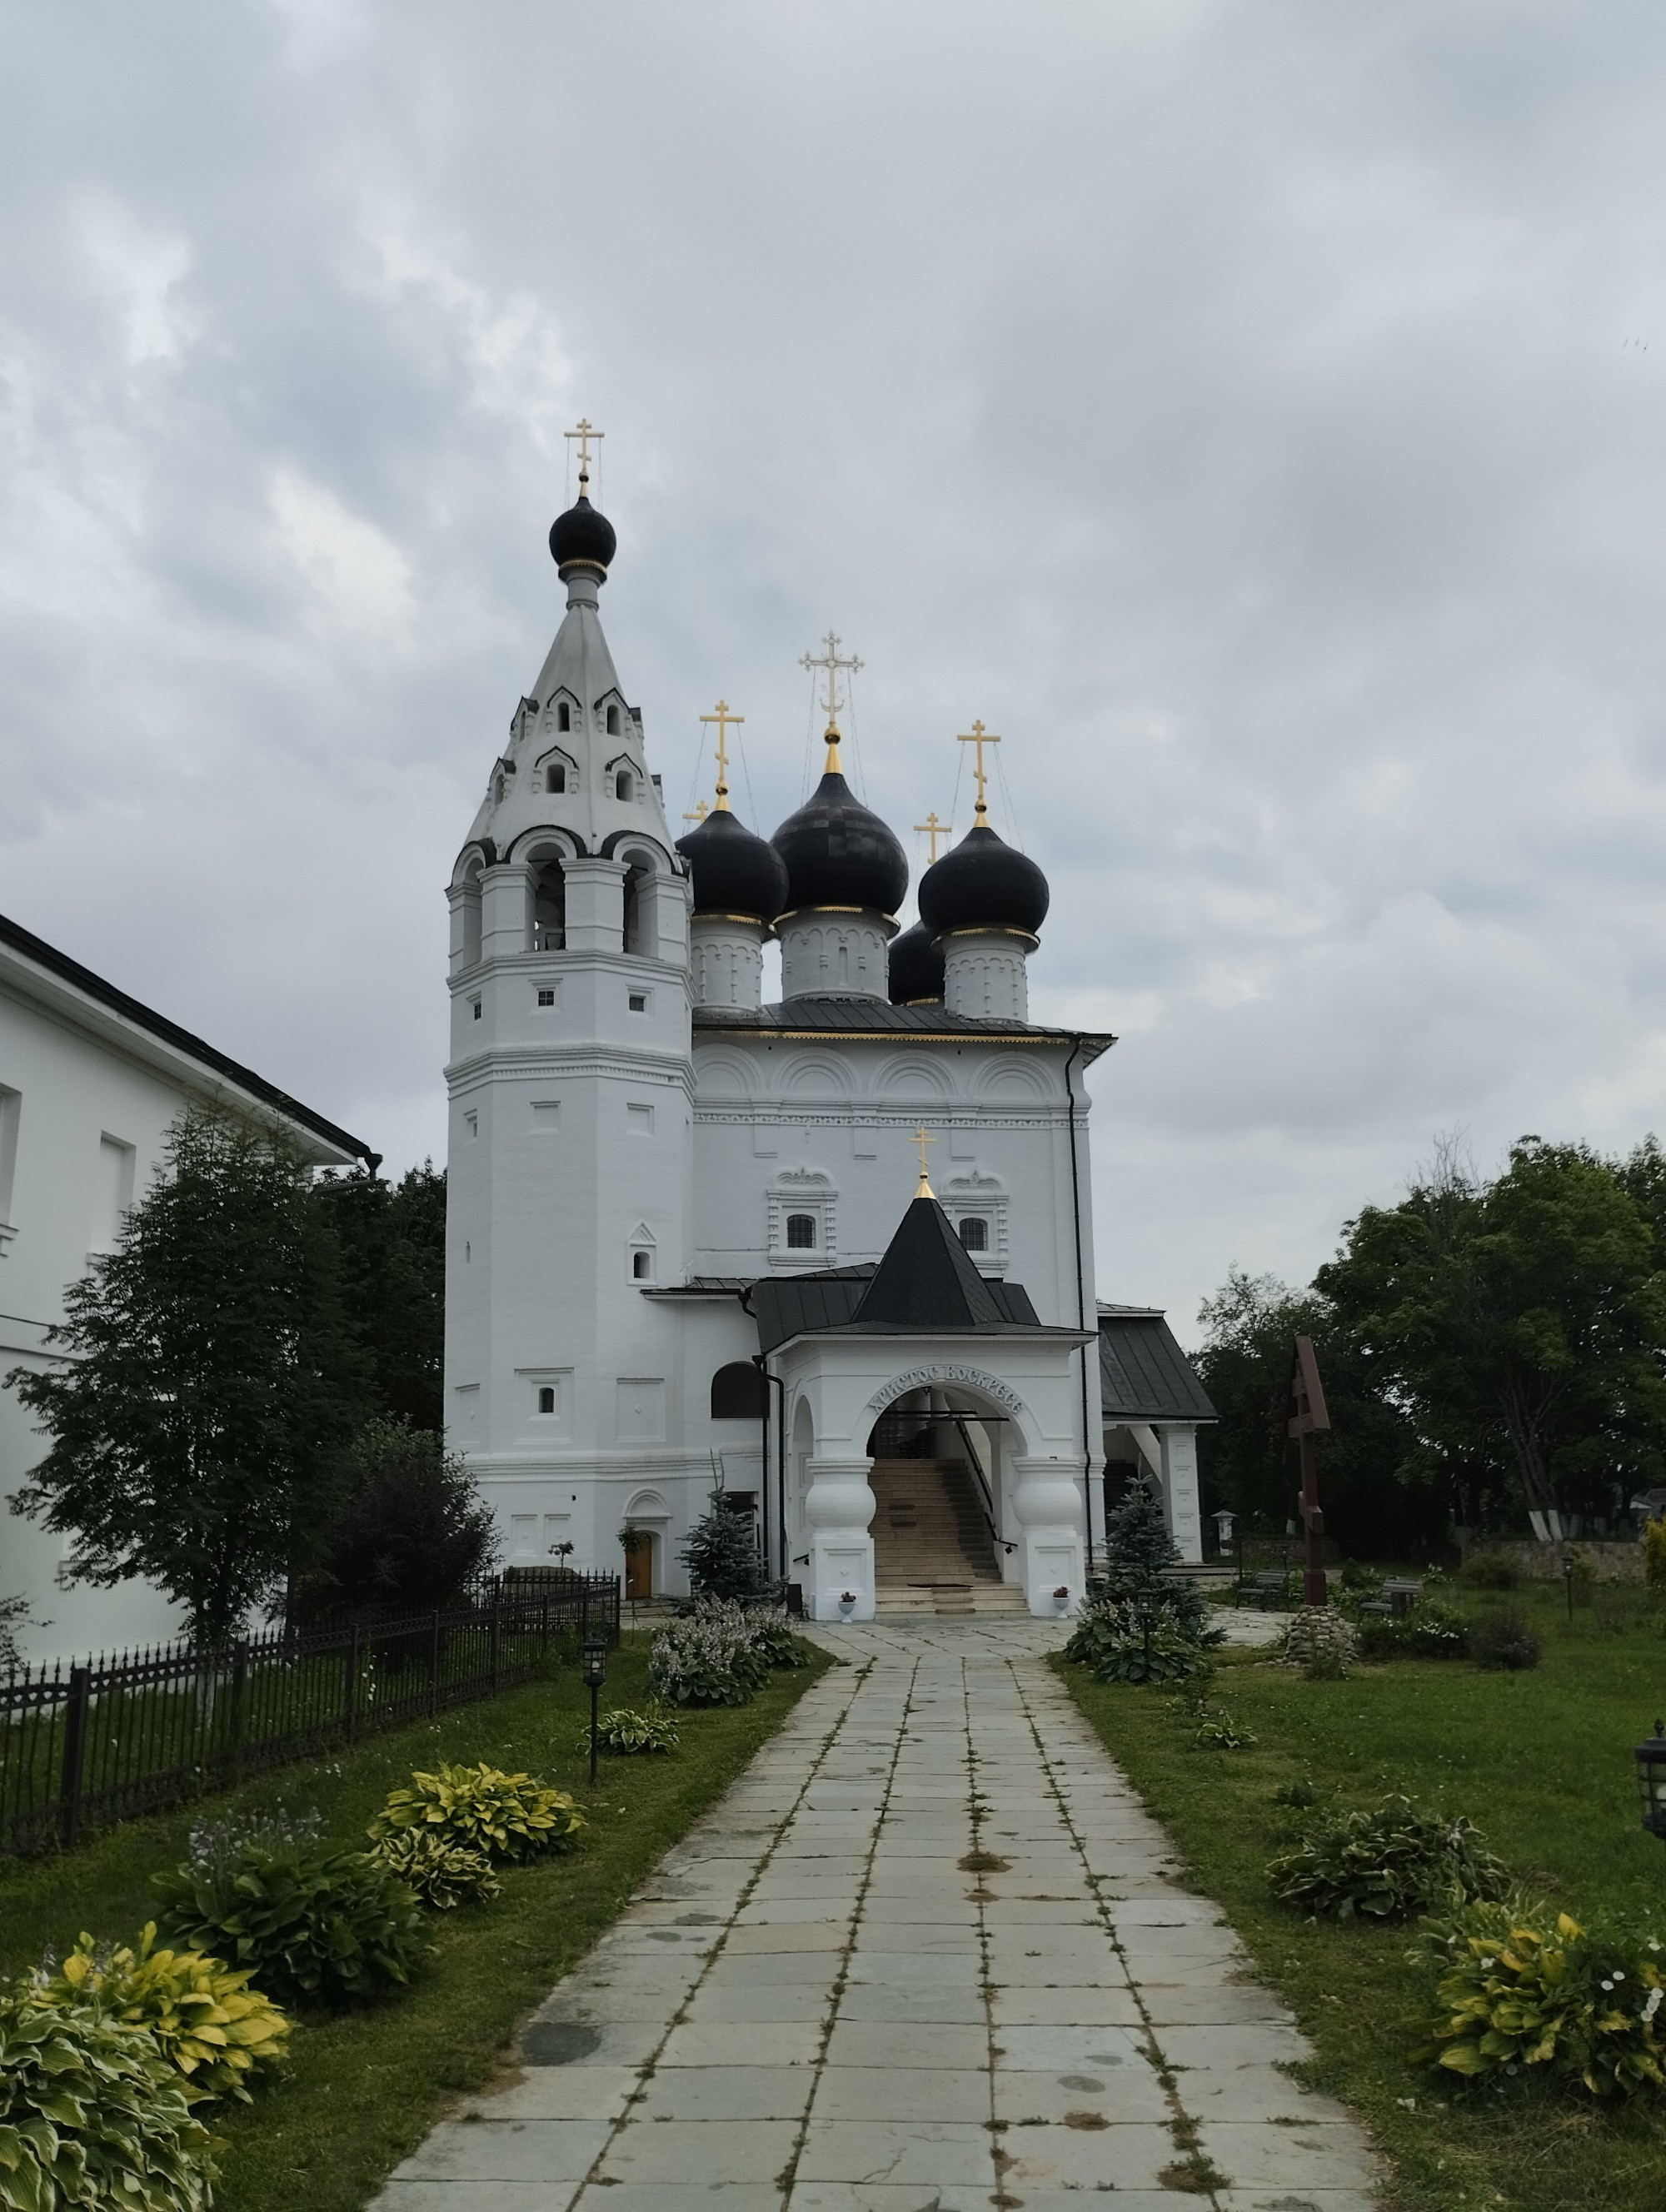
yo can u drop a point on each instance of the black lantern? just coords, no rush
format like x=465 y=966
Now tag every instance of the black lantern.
x=1651 y=1780
x=593 y=1654
x=1567 y=1584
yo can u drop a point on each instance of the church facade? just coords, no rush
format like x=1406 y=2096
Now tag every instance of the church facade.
x=833 y=1256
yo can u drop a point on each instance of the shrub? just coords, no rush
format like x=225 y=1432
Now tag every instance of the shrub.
x=626 y=1732
x=1428 y=1631
x=720 y=1653
x=1654 y=1554
x=721 y=1554
x=307 y=1920
x=1501 y=1639
x=204 y=2017
x=92 y=2114
x=1125 y=1641
x=1490 y=1570
x=481 y=1808
x=1398 y=1859
x=1316 y=1630
x=1520 y=1989
x=1296 y=1797
x=411 y=1532
x=439 y=1873
x=1356 y=1575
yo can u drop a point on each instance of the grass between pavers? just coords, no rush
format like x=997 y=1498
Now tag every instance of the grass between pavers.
x=365 y=2085
x=1543 y=1762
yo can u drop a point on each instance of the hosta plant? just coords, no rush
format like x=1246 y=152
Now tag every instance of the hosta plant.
x=439 y=1873
x=1386 y=1864
x=1217 y=1730
x=1131 y=1642
x=1521 y=1989
x=93 y=2115
x=506 y=1816
x=626 y=1732
x=306 y=1920
x=205 y=2019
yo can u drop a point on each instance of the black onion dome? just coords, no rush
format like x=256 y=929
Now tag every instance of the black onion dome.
x=583 y=537
x=839 y=854
x=734 y=871
x=915 y=967
x=982 y=883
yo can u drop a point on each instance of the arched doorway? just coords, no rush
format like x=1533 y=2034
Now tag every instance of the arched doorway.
x=938 y=1538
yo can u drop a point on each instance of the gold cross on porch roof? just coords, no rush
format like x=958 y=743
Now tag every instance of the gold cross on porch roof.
x=922 y=1140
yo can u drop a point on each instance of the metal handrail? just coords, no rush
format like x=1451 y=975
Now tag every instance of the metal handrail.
x=986 y=1492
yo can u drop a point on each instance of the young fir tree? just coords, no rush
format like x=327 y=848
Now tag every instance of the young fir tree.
x=721 y=1554
x=1139 y=1551
x=214 y=1382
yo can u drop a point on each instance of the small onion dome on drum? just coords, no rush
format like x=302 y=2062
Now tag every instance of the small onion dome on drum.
x=582 y=538
x=982 y=883
x=839 y=854
x=915 y=967
x=734 y=871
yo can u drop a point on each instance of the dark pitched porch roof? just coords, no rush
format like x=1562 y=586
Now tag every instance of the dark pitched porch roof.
x=1144 y=1375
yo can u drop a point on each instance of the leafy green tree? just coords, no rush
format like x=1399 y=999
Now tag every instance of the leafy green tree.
x=721 y=1554
x=410 y=1533
x=393 y=1238
x=1521 y=1320
x=215 y=1379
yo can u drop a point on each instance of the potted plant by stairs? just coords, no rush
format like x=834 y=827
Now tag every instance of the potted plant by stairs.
x=847 y=1604
x=1061 y=1598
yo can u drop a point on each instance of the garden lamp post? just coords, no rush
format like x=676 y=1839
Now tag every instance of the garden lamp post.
x=1223 y=1522
x=1651 y=1780
x=1567 y=1584
x=594 y=1656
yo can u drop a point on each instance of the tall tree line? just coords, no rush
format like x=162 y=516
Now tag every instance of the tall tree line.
x=1493 y=1352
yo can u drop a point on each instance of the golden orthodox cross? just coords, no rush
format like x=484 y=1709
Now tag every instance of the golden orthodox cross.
x=585 y=435
x=978 y=736
x=832 y=661
x=699 y=814
x=932 y=828
x=922 y=1140
x=723 y=718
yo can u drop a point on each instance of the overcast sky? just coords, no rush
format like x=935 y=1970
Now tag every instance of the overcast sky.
x=1253 y=412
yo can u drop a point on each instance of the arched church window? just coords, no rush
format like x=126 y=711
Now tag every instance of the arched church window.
x=622 y=788
x=642 y=1267
x=636 y=908
x=802 y=1232
x=563 y=716
x=555 y=777
x=975 y=1233
x=549 y=907
x=613 y=732
x=546 y=1399
x=737 y=1393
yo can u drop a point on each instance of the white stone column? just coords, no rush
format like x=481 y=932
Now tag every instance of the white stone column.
x=837 y=1508
x=505 y=930
x=595 y=905
x=727 y=961
x=1180 y=1497
x=1047 y=1504
x=985 y=973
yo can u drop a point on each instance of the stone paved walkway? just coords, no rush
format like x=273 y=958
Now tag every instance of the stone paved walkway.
x=815 y=2004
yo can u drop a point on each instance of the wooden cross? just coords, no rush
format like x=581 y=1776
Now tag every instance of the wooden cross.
x=978 y=736
x=585 y=435
x=699 y=814
x=932 y=828
x=722 y=717
x=922 y=1140
x=832 y=660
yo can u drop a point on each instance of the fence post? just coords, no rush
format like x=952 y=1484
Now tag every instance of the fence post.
x=74 y=1754
x=584 y=1609
x=497 y=1629
x=544 y=1626
x=434 y=1665
x=350 y=1704
x=240 y=1687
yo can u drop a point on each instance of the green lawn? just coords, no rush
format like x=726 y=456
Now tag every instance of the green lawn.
x=365 y=2085
x=1543 y=1762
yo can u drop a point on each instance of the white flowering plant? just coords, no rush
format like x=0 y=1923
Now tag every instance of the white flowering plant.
x=1522 y=1990
x=719 y=1653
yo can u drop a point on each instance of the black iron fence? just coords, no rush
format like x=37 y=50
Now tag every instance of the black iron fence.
x=84 y=1745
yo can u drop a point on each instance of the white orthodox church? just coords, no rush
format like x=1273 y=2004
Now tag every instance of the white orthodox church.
x=694 y=1242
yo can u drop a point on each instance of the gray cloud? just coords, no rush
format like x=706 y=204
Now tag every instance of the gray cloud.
x=1253 y=413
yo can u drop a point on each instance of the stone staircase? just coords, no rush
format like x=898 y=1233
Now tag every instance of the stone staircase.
x=932 y=1547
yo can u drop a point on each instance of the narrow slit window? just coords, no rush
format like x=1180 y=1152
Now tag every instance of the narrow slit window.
x=613 y=732
x=563 y=716
x=642 y=1267
x=622 y=784
x=546 y=1399
x=802 y=1232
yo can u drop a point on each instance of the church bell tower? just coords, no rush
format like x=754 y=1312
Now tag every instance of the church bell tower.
x=571 y=1084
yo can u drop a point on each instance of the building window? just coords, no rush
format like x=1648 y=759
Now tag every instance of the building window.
x=472 y=1122
x=738 y=1391
x=642 y=1267
x=622 y=784
x=975 y=1233
x=546 y=998
x=554 y=776
x=563 y=721
x=546 y=1399
x=613 y=732
x=639 y=1002
x=475 y=1007
x=802 y=1232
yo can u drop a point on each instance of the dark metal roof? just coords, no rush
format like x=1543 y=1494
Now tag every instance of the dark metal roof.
x=878 y=1017
x=1144 y=1375
x=46 y=956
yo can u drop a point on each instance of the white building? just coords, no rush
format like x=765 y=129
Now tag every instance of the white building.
x=90 y=1081
x=684 y=1239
